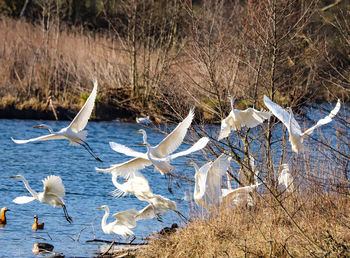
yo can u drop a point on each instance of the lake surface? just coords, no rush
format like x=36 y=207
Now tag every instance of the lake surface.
x=86 y=189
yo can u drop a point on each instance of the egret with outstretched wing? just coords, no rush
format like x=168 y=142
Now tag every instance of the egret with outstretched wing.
x=53 y=192
x=296 y=137
x=74 y=132
x=124 y=221
x=249 y=117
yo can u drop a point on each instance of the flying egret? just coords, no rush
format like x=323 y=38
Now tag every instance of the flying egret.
x=143 y=120
x=296 y=137
x=36 y=224
x=239 y=195
x=285 y=178
x=142 y=160
x=3 y=216
x=53 y=192
x=158 y=206
x=73 y=132
x=208 y=178
x=249 y=117
x=125 y=220
x=173 y=140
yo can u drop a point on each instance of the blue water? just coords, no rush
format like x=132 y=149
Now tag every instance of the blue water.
x=86 y=189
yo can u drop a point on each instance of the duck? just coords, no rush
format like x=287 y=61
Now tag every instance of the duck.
x=3 y=216
x=167 y=231
x=37 y=225
x=42 y=247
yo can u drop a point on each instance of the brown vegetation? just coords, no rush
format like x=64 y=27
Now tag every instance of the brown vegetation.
x=264 y=231
x=159 y=58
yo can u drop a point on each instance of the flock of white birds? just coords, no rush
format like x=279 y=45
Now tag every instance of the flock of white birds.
x=208 y=191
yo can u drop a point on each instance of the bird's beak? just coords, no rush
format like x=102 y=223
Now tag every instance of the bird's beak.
x=8 y=210
x=142 y=144
x=138 y=131
x=99 y=208
x=188 y=164
x=36 y=126
x=12 y=176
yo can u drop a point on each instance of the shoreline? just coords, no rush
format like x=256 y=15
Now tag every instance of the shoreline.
x=100 y=113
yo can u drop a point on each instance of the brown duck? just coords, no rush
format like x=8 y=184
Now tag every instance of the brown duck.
x=3 y=216
x=37 y=225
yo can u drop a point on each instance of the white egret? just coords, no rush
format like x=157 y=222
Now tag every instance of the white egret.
x=285 y=178
x=239 y=195
x=296 y=137
x=249 y=117
x=136 y=184
x=125 y=220
x=53 y=192
x=143 y=120
x=208 y=178
x=142 y=160
x=3 y=216
x=73 y=132
x=173 y=140
x=158 y=206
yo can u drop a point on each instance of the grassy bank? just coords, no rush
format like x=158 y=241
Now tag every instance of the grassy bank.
x=264 y=231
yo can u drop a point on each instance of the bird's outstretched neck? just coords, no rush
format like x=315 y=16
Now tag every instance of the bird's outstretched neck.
x=26 y=184
x=46 y=127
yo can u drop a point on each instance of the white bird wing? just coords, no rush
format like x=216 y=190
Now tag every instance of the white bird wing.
x=245 y=189
x=325 y=120
x=251 y=117
x=225 y=127
x=126 y=218
x=120 y=148
x=173 y=140
x=202 y=178
x=40 y=138
x=214 y=178
x=124 y=169
x=53 y=185
x=200 y=144
x=282 y=115
x=80 y=120
x=146 y=213
x=23 y=199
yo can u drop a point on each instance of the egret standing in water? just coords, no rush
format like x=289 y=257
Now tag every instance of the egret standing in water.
x=249 y=117
x=125 y=220
x=73 y=132
x=296 y=137
x=53 y=192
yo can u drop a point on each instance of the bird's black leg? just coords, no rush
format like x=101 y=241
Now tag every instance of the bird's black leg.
x=88 y=148
x=68 y=218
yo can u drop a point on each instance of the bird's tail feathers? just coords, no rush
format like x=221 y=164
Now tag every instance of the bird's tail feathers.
x=118 y=193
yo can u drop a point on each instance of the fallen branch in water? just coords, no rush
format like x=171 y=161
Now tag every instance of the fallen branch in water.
x=115 y=243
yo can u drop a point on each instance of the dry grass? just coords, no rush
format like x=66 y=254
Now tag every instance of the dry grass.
x=263 y=231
